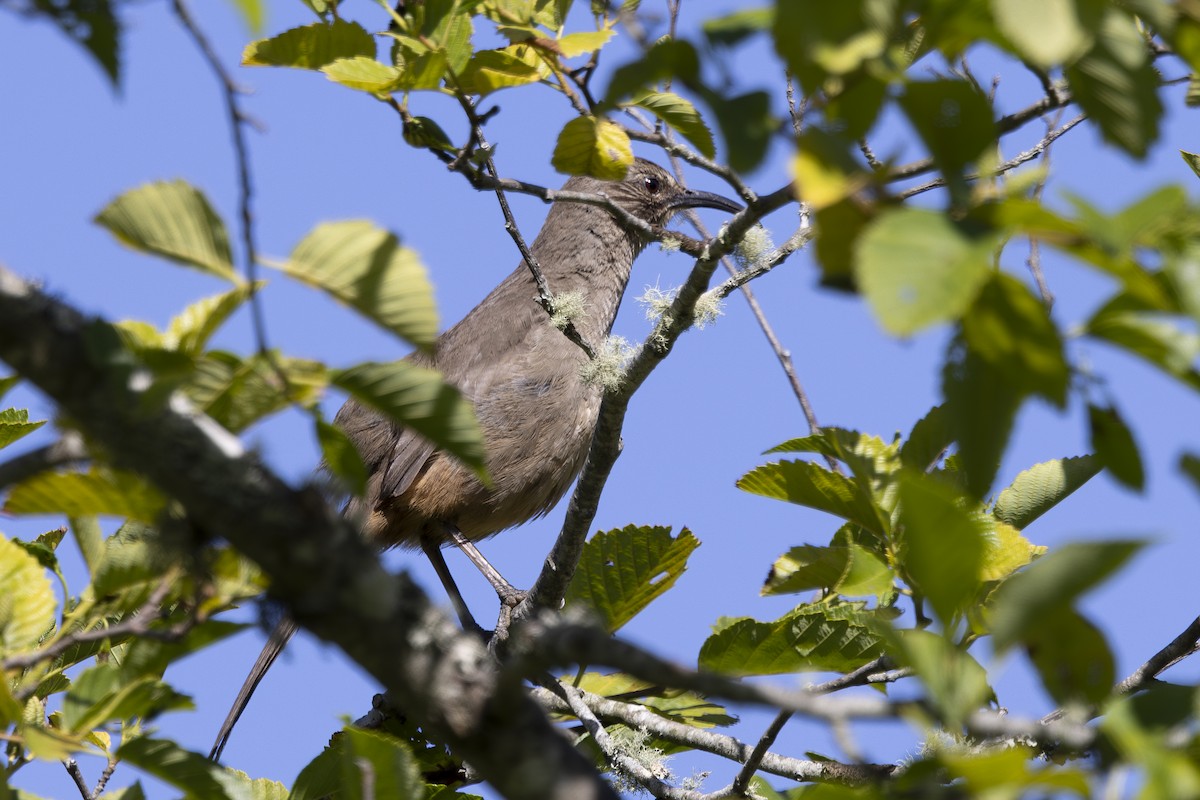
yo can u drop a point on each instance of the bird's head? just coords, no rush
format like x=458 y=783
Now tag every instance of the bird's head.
x=650 y=193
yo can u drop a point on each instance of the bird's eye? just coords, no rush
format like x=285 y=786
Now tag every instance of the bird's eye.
x=652 y=184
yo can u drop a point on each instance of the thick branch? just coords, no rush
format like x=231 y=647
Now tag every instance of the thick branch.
x=329 y=579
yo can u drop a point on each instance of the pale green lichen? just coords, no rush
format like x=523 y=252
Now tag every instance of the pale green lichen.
x=709 y=306
x=568 y=307
x=668 y=244
x=634 y=744
x=607 y=369
x=656 y=301
x=754 y=248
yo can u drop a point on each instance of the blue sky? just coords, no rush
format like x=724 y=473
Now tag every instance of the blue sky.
x=70 y=144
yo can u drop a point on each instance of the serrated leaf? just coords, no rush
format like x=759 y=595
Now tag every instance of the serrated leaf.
x=944 y=546
x=173 y=220
x=851 y=571
x=807 y=484
x=192 y=772
x=15 y=424
x=311 y=47
x=1041 y=487
x=367 y=269
x=1053 y=582
x=593 y=146
x=683 y=706
x=1115 y=448
x=490 y=70
x=27 y=601
x=1005 y=552
x=867 y=456
x=837 y=638
x=363 y=73
x=915 y=268
x=78 y=494
x=622 y=571
x=419 y=398
x=681 y=116
x=190 y=330
x=1117 y=85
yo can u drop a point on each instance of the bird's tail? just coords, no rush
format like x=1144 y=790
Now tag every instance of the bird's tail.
x=283 y=632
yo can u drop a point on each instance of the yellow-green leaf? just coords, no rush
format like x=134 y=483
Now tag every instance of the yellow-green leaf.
x=576 y=44
x=191 y=329
x=311 y=47
x=363 y=73
x=79 y=494
x=174 y=220
x=1041 y=487
x=1006 y=552
x=593 y=146
x=489 y=70
x=26 y=599
x=681 y=115
x=15 y=424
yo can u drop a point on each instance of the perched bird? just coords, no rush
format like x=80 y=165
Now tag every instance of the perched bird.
x=524 y=377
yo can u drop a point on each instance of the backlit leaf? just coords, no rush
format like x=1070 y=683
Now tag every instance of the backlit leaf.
x=311 y=47
x=807 y=484
x=15 y=424
x=27 y=601
x=593 y=146
x=80 y=494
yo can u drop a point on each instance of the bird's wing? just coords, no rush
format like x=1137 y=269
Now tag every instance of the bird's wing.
x=410 y=454
x=397 y=454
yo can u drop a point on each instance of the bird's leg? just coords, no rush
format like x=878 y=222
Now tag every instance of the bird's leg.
x=433 y=552
x=509 y=595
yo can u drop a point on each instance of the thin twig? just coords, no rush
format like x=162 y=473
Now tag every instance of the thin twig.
x=76 y=774
x=109 y=768
x=67 y=450
x=1185 y=644
x=1034 y=261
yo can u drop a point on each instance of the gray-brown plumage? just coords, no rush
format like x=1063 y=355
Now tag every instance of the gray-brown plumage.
x=524 y=378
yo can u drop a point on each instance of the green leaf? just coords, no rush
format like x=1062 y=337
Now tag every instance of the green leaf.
x=341 y=457
x=491 y=70
x=622 y=571
x=981 y=405
x=1052 y=582
x=27 y=601
x=237 y=392
x=93 y=24
x=78 y=494
x=1192 y=160
x=683 y=706
x=422 y=70
x=1117 y=85
x=173 y=220
x=391 y=768
x=954 y=120
x=681 y=116
x=955 y=681
x=424 y=132
x=191 y=772
x=916 y=268
x=593 y=146
x=1115 y=448
x=1153 y=337
x=747 y=126
x=1011 y=329
x=841 y=226
x=1005 y=552
x=1047 y=33
x=807 y=484
x=363 y=73
x=928 y=440
x=1072 y=657
x=868 y=457
x=851 y=571
x=253 y=13
x=367 y=269
x=191 y=329
x=418 y=397
x=737 y=26
x=7 y=382
x=666 y=59
x=104 y=693
x=1041 y=487
x=1189 y=464
x=944 y=547
x=817 y=637
x=128 y=560
x=15 y=424
x=311 y=47
x=819 y=40
x=1139 y=729
x=583 y=42
x=321 y=777
x=999 y=771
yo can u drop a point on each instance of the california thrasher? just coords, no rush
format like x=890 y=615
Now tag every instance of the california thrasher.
x=524 y=378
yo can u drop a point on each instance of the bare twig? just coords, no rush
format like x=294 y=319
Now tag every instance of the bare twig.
x=1185 y=644
x=109 y=768
x=67 y=450
x=76 y=774
x=1034 y=261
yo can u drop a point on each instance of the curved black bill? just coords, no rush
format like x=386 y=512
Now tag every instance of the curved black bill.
x=690 y=198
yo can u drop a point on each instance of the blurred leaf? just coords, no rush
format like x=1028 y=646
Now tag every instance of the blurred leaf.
x=807 y=484
x=1072 y=658
x=15 y=424
x=818 y=40
x=253 y=13
x=237 y=392
x=928 y=440
x=27 y=602
x=1047 y=33
x=681 y=116
x=104 y=693
x=981 y=406
x=367 y=269
x=1153 y=337
x=737 y=26
x=1011 y=329
x=1115 y=447
x=7 y=382
x=622 y=571
x=954 y=120
x=944 y=546
x=682 y=706
x=391 y=767
x=200 y=778
x=89 y=539
x=341 y=457
x=825 y=170
x=1041 y=487
x=1189 y=463
x=78 y=494
x=417 y=397
x=1053 y=582
x=311 y=47
x=955 y=681
x=48 y=744
x=747 y=126
x=1004 y=771
x=1138 y=727
x=173 y=220
x=490 y=70
x=191 y=329
x=1117 y=85
x=833 y=638
x=841 y=226
x=363 y=73
x=92 y=23
x=128 y=559
x=593 y=146
x=851 y=571
x=666 y=59
x=916 y=267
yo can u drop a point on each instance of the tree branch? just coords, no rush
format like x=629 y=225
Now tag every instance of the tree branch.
x=67 y=450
